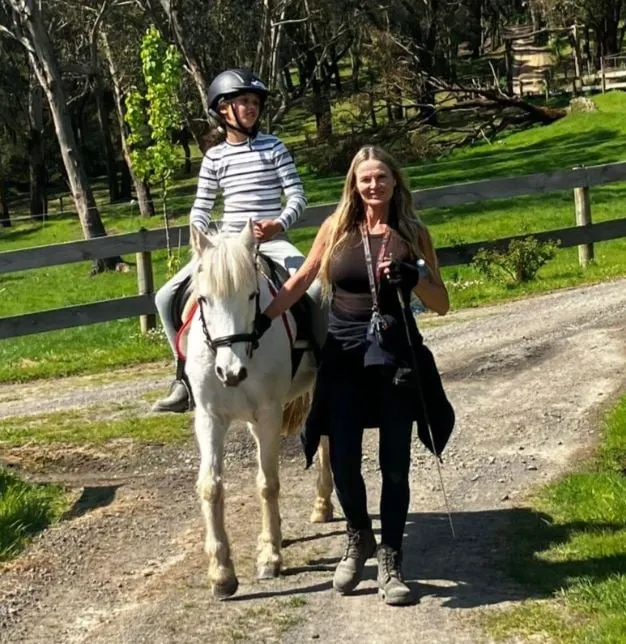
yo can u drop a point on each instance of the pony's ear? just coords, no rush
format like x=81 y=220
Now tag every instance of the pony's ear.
x=199 y=241
x=247 y=235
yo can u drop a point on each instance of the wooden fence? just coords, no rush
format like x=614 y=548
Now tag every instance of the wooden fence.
x=143 y=242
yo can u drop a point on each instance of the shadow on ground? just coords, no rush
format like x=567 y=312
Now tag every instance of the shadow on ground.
x=482 y=565
x=92 y=498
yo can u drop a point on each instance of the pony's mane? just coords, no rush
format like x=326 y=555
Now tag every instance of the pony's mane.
x=228 y=267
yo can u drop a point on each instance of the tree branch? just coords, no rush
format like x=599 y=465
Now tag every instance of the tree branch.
x=20 y=39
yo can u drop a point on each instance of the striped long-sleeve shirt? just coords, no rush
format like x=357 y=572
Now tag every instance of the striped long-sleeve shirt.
x=252 y=176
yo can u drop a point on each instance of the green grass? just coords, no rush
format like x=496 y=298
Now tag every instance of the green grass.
x=88 y=426
x=570 y=547
x=25 y=510
x=590 y=138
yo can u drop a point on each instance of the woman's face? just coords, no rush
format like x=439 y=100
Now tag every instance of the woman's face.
x=246 y=107
x=374 y=183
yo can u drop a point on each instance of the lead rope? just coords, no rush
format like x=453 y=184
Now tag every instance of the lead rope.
x=420 y=395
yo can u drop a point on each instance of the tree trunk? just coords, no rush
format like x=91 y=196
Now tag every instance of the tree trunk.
x=126 y=183
x=372 y=108
x=5 y=219
x=262 y=58
x=29 y=22
x=36 y=160
x=105 y=131
x=103 y=115
x=146 y=207
x=575 y=42
x=508 y=59
x=355 y=61
x=184 y=138
x=144 y=198
x=287 y=79
x=175 y=24
x=334 y=68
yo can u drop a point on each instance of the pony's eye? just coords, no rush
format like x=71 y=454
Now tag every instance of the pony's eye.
x=251 y=297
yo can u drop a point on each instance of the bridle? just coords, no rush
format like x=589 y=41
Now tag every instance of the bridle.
x=228 y=340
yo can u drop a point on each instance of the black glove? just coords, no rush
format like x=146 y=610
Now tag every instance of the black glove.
x=262 y=323
x=405 y=274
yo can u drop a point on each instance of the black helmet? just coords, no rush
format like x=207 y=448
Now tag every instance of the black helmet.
x=232 y=83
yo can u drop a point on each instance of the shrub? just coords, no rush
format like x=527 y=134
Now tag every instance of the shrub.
x=518 y=263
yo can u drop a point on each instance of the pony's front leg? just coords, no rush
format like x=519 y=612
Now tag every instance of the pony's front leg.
x=210 y=433
x=267 y=435
x=323 y=508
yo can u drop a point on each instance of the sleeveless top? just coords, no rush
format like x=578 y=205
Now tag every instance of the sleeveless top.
x=351 y=304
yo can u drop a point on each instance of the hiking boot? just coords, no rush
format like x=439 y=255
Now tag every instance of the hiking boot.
x=391 y=586
x=178 y=400
x=361 y=546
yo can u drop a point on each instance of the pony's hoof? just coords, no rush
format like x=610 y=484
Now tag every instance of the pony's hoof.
x=225 y=589
x=322 y=515
x=268 y=570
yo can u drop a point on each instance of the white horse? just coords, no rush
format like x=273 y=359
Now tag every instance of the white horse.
x=234 y=379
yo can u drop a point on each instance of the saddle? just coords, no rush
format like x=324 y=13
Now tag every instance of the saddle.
x=184 y=307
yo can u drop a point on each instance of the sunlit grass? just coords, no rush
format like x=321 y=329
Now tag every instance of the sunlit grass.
x=570 y=548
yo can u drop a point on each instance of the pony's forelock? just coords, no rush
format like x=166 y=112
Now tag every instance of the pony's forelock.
x=227 y=268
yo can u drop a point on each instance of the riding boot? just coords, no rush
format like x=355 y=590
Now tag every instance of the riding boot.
x=360 y=547
x=179 y=398
x=391 y=586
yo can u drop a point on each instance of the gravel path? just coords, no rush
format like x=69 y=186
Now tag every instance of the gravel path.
x=529 y=380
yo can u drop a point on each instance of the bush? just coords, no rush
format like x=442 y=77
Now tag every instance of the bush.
x=519 y=263
x=334 y=155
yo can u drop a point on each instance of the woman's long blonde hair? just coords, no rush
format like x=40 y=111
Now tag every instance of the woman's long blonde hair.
x=350 y=212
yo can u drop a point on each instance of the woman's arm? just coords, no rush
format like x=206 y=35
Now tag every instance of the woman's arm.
x=431 y=289
x=295 y=287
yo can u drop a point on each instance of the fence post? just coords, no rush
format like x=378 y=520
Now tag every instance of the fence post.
x=583 y=218
x=145 y=282
x=602 y=75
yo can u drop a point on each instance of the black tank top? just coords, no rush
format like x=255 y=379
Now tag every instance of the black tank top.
x=352 y=298
x=351 y=304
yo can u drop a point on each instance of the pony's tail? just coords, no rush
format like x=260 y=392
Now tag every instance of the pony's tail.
x=295 y=413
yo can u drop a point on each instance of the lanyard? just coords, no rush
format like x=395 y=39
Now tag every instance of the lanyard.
x=370 y=266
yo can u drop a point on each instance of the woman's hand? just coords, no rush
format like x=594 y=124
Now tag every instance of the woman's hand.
x=262 y=323
x=403 y=273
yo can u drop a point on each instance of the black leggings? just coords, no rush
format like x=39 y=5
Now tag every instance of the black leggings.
x=362 y=396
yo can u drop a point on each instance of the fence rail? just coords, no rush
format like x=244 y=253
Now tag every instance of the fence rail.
x=143 y=242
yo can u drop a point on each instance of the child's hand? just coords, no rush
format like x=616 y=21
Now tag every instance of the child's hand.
x=266 y=230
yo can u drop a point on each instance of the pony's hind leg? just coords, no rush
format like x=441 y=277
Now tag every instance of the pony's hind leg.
x=323 y=508
x=210 y=432
x=267 y=435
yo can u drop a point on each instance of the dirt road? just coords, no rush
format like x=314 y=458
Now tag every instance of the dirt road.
x=529 y=381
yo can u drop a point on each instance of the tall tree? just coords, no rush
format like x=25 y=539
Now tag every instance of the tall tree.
x=142 y=189
x=29 y=30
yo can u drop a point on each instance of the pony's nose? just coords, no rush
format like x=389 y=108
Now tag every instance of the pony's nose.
x=231 y=379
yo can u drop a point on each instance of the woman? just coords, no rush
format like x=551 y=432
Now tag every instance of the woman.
x=365 y=351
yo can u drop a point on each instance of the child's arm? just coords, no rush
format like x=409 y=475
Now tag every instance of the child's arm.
x=200 y=216
x=294 y=192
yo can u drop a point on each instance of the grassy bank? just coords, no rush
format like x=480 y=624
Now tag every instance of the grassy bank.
x=25 y=510
x=571 y=551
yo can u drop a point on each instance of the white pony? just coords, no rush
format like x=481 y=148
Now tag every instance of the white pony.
x=234 y=379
